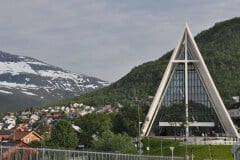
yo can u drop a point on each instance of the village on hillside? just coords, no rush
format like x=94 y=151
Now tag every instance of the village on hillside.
x=22 y=128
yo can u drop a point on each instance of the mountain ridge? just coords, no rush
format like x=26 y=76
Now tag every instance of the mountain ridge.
x=37 y=81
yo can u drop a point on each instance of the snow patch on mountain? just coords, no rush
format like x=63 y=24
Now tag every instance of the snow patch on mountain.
x=37 y=63
x=91 y=86
x=58 y=74
x=29 y=93
x=5 y=92
x=15 y=68
x=103 y=83
x=17 y=85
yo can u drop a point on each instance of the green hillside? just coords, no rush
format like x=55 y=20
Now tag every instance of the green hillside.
x=220 y=47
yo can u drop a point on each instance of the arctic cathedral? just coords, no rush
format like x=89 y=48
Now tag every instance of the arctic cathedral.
x=187 y=102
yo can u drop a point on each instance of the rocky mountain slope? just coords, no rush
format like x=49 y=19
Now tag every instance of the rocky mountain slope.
x=25 y=81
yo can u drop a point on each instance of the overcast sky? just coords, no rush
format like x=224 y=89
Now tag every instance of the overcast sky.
x=103 y=38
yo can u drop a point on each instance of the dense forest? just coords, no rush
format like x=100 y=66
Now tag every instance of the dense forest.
x=220 y=48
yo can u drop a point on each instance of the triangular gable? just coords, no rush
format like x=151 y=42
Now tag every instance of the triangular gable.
x=30 y=137
x=32 y=134
x=187 y=54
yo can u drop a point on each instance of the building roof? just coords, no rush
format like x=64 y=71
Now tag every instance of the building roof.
x=5 y=132
x=20 y=135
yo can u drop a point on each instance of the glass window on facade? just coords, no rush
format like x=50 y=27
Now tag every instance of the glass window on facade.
x=171 y=117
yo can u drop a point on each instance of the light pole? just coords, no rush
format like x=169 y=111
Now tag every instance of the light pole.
x=192 y=153
x=148 y=148
x=172 y=148
x=161 y=148
x=140 y=145
x=139 y=133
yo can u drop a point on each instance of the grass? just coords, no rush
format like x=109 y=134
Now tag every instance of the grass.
x=200 y=152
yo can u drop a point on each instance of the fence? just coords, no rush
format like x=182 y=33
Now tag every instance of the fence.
x=210 y=142
x=20 y=153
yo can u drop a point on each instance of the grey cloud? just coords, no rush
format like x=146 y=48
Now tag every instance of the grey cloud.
x=103 y=38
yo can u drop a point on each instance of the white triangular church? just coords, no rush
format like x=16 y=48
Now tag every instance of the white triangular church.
x=187 y=102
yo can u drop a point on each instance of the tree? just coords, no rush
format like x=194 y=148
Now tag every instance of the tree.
x=1 y=115
x=127 y=120
x=63 y=135
x=114 y=142
x=92 y=124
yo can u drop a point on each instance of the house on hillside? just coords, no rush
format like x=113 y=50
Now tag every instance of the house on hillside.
x=22 y=127
x=9 y=119
x=34 y=117
x=1 y=126
x=234 y=109
x=5 y=135
x=86 y=110
x=26 y=137
x=8 y=126
x=76 y=105
x=24 y=119
x=108 y=108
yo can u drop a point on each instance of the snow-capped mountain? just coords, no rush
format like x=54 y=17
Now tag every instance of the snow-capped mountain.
x=37 y=82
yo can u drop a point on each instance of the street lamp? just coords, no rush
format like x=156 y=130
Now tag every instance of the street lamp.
x=140 y=145
x=192 y=153
x=139 y=133
x=172 y=148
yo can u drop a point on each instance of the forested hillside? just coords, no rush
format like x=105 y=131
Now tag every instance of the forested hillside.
x=220 y=47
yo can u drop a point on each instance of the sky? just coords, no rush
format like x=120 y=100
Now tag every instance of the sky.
x=104 y=38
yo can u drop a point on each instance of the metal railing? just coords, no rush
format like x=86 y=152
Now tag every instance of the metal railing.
x=20 y=153
x=210 y=142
